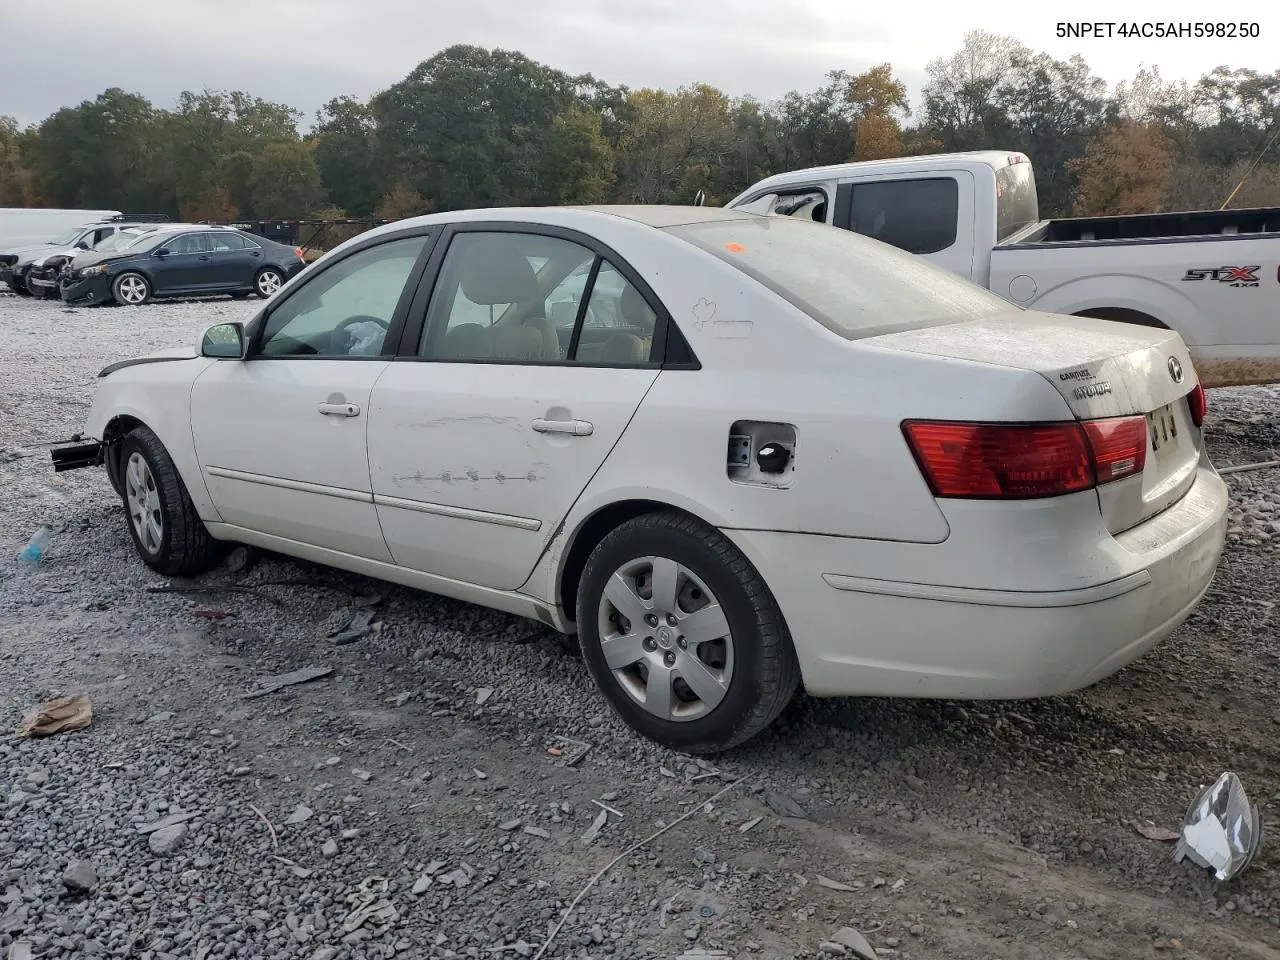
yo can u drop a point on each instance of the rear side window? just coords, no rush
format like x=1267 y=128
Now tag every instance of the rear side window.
x=918 y=216
x=226 y=241
x=853 y=287
x=1016 y=201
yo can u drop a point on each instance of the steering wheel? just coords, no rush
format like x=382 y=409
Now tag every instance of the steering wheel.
x=338 y=340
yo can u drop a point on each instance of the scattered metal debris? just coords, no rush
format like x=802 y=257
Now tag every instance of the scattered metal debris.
x=358 y=627
x=170 y=821
x=300 y=814
x=1153 y=832
x=784 y=806
x=275 y=841
x=605 y=806
x=1222 y=830
x=272 y=684
x=1245 y=467
x=370 y=907
x=834 y=884
x=536 y=832
x=580 y=749
x=573 y=905
x=853 y=940
x=596 y=826
x=20 y=950
x=483 y=695
x=750 y=824
x=58 y=716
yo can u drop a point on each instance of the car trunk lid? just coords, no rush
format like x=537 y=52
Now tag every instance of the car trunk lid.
x=1101 y=370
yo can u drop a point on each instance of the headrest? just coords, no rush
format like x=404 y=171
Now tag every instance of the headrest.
x=496 y=272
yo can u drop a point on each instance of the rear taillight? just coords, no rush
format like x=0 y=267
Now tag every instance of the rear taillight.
x=297 y=252
x=1023 y=461
x=1198 y=404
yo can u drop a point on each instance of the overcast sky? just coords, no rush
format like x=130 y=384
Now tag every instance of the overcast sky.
x=302 y=52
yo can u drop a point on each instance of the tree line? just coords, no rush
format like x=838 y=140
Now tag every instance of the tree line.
x=471 y=127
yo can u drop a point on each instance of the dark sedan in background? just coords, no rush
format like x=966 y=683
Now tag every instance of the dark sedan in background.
x=182 y=261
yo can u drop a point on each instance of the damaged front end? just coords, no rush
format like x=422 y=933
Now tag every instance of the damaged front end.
x=44 y=278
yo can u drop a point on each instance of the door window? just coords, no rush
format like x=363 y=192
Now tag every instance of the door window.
x=918 y=216
x=503 y=296
x=226 y=241
x=346 y=310
x=617 y=327
x=188 y=243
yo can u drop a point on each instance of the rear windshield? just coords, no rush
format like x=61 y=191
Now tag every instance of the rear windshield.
x=1016 y=202
x=852 y=285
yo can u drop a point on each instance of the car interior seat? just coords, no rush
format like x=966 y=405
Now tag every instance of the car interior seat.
x=499 y=276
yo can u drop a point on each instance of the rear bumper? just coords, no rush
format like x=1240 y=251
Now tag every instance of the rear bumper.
x=861 y=635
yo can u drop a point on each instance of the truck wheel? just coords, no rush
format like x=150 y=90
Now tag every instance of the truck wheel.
x=682 y=635
x=166 y=530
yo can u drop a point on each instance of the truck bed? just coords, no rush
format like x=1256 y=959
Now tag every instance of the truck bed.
x=1150 y=227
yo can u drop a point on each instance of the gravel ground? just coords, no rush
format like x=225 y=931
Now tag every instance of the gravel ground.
x=417 y=801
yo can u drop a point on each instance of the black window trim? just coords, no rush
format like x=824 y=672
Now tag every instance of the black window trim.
x=431 y=232
x=411 y=332
x=928 y=177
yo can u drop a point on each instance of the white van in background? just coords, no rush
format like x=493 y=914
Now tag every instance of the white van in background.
x=28 y=226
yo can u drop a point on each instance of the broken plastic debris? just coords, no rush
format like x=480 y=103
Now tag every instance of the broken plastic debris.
x=784 y=806
x=1221 y=831
x=1153 y=832
x=833 y=884
x=272 y=684
x=58 y=716
x=596 y=826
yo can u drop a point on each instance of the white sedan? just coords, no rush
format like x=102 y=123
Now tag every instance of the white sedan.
x=734 y=454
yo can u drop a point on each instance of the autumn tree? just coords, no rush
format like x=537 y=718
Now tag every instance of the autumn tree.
x=1127 y=168
x=674 y=143
x=401 y=201
x=875 y=100
x=17 y=179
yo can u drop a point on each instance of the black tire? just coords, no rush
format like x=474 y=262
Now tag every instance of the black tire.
x=185 y=547
x=239 y=294
x=261 y=279
x=19 y=286
x=765 y=672
x=135 y=281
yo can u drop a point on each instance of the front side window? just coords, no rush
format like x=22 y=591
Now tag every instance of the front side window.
x=346 y=310
x=188 y=243
x=852 y=287
x=807 y=204
x=918 y=216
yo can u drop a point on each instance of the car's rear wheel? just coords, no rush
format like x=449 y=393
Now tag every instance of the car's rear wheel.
x=131 y=289
x=683 y=636
x=267 y=282
x=167 y=532
x=19 y=286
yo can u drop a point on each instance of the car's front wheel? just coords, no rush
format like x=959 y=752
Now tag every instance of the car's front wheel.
x=683 y=636
x=267 y=282
x=131 y=289
x=167 y=532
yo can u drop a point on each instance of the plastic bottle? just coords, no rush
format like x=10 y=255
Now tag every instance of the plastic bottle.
x=37 y=546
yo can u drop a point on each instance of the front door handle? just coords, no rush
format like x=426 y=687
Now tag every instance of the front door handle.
x=574 y=428
x=339 y=409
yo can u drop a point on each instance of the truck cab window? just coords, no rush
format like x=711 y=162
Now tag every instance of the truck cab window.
x=809 y=204
x=918 y=216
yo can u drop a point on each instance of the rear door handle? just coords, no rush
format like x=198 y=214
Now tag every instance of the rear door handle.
x=339 y=409
x=574 y=428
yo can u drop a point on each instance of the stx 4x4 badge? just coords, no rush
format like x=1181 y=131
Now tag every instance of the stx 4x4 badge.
x=1231 y=276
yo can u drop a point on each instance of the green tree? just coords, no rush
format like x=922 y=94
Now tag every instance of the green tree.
x=346 y=153
x=286 y=182
x=17 y=180
x=577 y=161
x=468 y=126
x=673 y=144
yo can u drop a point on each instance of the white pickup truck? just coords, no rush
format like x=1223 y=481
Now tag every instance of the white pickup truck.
x=1211 y=276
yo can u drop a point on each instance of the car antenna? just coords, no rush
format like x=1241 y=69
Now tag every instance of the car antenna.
x=1249 y=172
